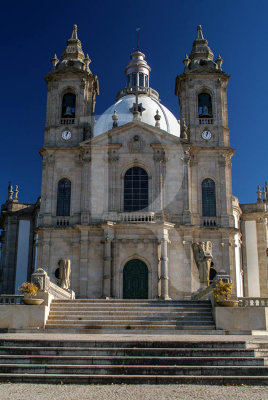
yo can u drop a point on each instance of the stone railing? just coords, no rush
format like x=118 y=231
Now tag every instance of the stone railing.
x=63 y=222
x=209 y=222
x=11 y=298
x=204 y=294
x=205 y=121
x=42 y=280
x=253 y=301
x=136 y=217
x=137 y=89
x=58 y=292
x=67 y=121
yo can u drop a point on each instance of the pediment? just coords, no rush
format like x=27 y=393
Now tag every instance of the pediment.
x=122 y=134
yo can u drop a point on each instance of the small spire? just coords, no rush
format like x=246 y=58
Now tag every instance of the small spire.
x=54 y=61
x=87 y=61
x=115 y=119
x=16 y=191
x=259 y=194
x=138 y=38
x=219 y=61
x=200 y=49
x=199 y=33
x=73 y=49
x=74 y=32
x=186 y=60
x=10 y=192
x=157 y=118
x=264 y=194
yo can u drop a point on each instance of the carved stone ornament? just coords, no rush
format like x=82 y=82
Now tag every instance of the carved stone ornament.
x=86 y=155
x=48 y=159
x=40 y=279
x=159 y=155
x=136 y=144
x=184 y=130
x=82 y=84
x=113 y=156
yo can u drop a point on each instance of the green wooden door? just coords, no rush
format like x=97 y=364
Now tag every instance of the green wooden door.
x=135 y=280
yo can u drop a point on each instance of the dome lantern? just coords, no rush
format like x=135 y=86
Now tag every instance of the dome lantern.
x=137 y=71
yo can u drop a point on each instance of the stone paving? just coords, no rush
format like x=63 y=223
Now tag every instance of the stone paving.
x=131 y=392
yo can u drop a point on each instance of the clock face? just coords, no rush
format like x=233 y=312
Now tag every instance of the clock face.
x=206 y=135
x=66 y=135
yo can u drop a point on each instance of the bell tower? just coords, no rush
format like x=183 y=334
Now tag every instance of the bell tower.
x=202 y=93
x=71 y=94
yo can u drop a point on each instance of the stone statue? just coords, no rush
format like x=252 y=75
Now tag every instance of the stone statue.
x=203 y=257
x=65 y=270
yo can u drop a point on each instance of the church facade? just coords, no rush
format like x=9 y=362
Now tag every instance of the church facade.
x=125 y=197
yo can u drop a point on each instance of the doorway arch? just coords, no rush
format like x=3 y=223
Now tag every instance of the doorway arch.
x=135 y=280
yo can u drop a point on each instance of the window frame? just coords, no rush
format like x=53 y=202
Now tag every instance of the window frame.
x=61 y=204
x=209 y=204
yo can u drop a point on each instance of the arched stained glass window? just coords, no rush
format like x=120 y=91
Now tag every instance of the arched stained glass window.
x=135 y=189
x=204 y=105
x=68 y=106
x=208 y=198
x=63 y=197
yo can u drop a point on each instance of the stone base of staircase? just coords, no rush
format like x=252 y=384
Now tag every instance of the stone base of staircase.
x=146 y=361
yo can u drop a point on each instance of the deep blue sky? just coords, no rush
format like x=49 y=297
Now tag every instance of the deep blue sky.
x=31 y=32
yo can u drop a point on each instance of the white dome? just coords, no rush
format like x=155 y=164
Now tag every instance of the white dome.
x=168 y=121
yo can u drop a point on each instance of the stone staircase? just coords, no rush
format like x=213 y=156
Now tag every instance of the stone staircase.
x=139 y=361
x=131 y=316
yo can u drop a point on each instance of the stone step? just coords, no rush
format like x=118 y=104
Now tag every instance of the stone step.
x=128 y=344
x=125 y=326
x=129 y=331
x=134 y=370
x=133 y=320
x=127 y=352
x=130 y=360
x=124 y=316
x=132 y=379
x=76 y=307
x=117 y=311
x=130 y=302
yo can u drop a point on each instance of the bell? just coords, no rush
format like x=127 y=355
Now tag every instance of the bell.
x=68 y=111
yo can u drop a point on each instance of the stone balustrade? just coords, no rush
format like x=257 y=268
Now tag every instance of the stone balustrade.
x=209 y=222
x=205 y=121
x=253 y=301
x=63 y=222
x=137 y=217
x=47 y=289
x=67 y=121
x=11 y=298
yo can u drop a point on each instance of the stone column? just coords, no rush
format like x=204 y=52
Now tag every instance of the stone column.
x=84 y=241
x=164 y=277
x=224 y=197
x=85 y=158
x=186 y=189
x=107 y=259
